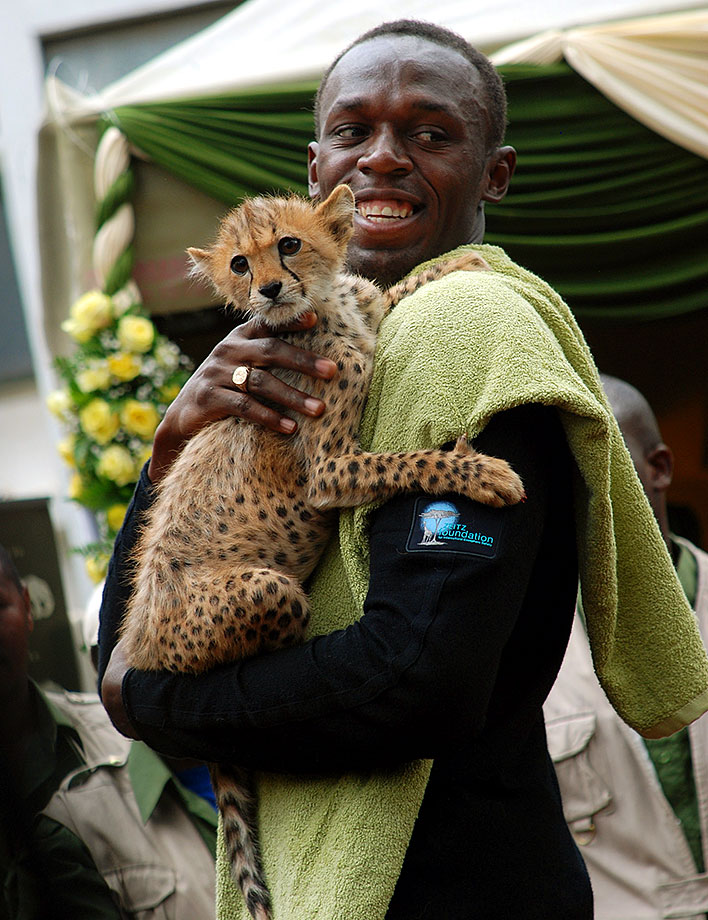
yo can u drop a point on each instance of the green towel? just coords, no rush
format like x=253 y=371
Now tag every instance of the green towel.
x=454 y=354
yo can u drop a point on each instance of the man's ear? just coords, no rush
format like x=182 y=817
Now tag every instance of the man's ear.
x=660 y=461
x=500 y=169
x=313 y=185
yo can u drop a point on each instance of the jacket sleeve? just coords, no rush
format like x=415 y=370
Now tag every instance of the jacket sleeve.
x=403 y=682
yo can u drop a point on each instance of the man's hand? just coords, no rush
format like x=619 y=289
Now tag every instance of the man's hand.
x=111 y=691
x=210 y=393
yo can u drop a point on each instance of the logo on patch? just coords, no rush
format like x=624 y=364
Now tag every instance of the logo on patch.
x=443 y=526
x=435 y=519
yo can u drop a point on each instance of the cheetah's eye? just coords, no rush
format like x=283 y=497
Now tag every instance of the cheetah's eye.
x=289 y=245
x=239 y=265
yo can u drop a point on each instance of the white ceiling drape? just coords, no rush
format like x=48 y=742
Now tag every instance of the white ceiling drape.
x=654 y=68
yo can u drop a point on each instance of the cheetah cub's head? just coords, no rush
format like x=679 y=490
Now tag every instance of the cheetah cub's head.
x=276 y=258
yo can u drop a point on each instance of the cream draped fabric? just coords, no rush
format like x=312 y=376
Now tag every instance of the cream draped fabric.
x=656 y=69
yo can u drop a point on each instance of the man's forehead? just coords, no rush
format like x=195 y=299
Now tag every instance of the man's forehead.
x=423 y=103
x=440 y=78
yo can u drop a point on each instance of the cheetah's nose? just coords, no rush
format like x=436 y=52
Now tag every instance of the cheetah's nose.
x=271 y=290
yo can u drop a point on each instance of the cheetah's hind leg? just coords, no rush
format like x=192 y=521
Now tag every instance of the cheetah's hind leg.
x=208 y=615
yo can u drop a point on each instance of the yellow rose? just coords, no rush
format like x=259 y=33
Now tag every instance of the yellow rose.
x=144 y=455
x=96 y=377
x=116 y=463
x=59 y=403
x=65 y=448
x=76 y=486
x=97 y=566
x=91 y=312
x=115 y=515
x=136 y=333
x=140 y=418
x=99 y=421
x=124 y=366
x=169 y=391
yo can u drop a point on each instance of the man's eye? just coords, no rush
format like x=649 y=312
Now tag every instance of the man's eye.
x=430 y=136
x=239 y=265
x=289 y=245
x=350 y=131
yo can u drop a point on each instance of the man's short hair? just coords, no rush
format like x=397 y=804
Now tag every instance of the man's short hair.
x=633 y=413
x=439 y=35
x=8 y=568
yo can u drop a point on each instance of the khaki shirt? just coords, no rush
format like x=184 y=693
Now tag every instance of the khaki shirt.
x=151 y=840
x=639 y=860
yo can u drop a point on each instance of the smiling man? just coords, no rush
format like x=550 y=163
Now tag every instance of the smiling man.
x=415 y=129
x=403 y=767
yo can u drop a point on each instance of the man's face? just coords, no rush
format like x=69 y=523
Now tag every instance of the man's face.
x=654 y=468
x=404 y=123
x=15 y=627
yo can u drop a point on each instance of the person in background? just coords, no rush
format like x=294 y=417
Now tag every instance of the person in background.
x=94 y=827
x=638 y=808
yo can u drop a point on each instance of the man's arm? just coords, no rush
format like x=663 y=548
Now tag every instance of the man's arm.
x=419 y=666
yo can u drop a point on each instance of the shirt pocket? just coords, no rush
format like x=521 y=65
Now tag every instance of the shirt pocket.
x=583 y=790
x=145 y=892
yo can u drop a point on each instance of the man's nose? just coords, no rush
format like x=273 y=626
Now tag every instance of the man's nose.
x=385 y=153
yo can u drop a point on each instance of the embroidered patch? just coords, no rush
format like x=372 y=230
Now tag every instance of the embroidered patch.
x=445 y=526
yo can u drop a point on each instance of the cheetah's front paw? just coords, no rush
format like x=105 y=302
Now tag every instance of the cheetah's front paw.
x=489 y=479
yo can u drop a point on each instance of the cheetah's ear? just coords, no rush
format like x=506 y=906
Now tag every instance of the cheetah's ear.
x=337 y=213
x=201 y=263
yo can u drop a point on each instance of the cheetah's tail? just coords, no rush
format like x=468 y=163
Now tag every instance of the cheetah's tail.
x=237 y=804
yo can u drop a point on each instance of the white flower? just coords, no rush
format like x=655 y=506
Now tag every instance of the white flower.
x=126 y=297
x=167 y=354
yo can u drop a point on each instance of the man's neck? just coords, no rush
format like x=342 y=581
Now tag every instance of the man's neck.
x=477 y=235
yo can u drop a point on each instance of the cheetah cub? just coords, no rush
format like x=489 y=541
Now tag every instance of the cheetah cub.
x=242 y=517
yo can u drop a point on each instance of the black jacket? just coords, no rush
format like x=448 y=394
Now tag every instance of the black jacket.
x=459 y=644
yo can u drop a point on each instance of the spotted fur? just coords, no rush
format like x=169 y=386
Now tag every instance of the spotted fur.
x=244 y=514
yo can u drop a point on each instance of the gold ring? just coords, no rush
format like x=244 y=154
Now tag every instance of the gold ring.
x=240 y=377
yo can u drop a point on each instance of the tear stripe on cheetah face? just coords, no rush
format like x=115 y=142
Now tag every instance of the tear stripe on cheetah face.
x=242 y=517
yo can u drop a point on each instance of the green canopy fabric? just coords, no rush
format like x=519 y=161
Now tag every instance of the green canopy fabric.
x=612 y=215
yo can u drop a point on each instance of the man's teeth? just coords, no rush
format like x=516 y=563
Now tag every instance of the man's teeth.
x=378 y=211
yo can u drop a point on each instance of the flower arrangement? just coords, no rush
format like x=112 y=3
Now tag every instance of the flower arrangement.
x=118 y=383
